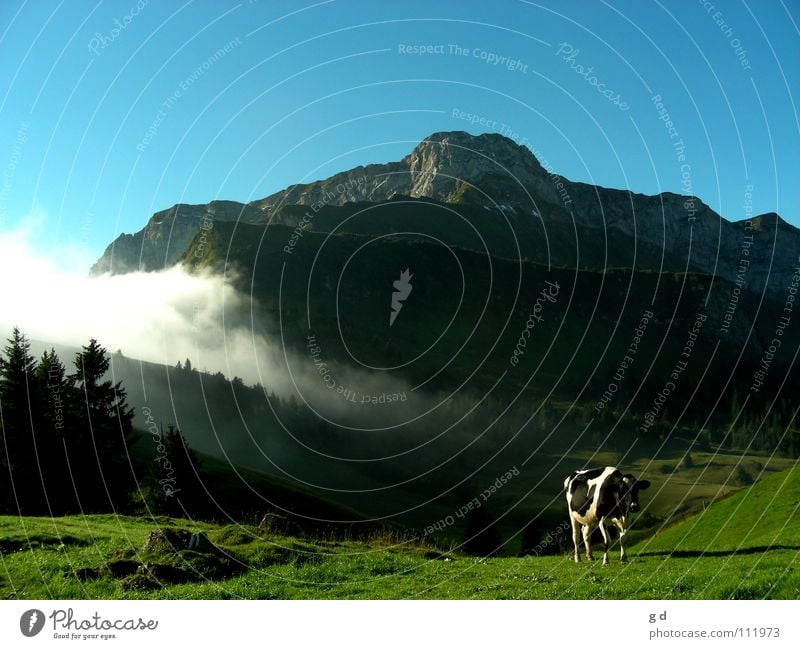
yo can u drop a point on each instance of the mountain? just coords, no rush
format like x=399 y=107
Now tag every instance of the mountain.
x=445 y=167
x=489 y=194
x=166 y=236
x=518 y=338
x=484 y=170
x=336 y=287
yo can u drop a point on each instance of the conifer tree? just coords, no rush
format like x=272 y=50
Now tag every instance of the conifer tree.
x=57 y=426
x=101 y=451
x=177 y=474
x=19 y=399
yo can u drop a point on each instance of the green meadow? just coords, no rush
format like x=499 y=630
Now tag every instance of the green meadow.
x=745 y=545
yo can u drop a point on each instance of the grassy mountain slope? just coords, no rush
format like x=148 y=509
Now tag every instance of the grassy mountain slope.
x=482 y=304
x=239 y=493
x=765 y=515
x=220 y=430
x=92 y=557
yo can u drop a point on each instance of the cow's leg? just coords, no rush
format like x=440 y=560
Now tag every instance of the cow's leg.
x=606 y=539
x=576 y=538
x=587 y=533
x=622 y=531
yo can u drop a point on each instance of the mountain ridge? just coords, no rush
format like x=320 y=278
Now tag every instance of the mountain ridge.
x=492 y=172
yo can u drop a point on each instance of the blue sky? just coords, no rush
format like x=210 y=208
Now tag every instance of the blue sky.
x=112 y=111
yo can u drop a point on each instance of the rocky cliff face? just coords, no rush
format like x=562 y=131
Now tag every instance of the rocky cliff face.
x=448 y=167
x=756 y=254
x=167 y=235
x=493 y=172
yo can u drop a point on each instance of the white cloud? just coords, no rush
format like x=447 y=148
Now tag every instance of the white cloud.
x=164 y=317
x=160 y=317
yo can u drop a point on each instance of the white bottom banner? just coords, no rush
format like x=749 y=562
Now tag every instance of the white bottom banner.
x=399 y=624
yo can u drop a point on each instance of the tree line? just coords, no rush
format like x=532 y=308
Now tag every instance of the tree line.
x=68 y=441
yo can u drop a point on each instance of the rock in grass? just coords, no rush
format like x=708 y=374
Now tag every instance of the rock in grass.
x=161 y=541
x=199 y=543
x=169 y=556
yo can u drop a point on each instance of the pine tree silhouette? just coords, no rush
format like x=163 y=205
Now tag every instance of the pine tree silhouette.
x=99 y=455
x=20 y=486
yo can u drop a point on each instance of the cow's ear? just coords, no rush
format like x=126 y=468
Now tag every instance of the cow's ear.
x=642 y=484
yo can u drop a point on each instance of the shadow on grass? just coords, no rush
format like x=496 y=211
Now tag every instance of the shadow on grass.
x=684 y=554
x=36 y=541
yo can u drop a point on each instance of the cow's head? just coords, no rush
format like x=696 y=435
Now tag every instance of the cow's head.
x=629 y=500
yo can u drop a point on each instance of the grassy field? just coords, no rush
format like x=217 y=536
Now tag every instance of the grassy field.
x=744 y=546
x=678 y=490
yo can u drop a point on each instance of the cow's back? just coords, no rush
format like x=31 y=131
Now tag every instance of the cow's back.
x=591 y=493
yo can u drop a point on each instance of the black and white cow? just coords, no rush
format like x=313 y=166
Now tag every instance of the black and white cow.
x=599 y=498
